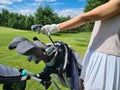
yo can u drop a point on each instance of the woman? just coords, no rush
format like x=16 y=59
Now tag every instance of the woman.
x=101 y=64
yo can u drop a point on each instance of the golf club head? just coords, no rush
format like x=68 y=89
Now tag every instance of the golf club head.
x=40 y=44
x=28 y=48
x=36 y=28
x=15 y=42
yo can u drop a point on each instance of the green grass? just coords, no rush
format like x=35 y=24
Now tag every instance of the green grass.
x=78 y=42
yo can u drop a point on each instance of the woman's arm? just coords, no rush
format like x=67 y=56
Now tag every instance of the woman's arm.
x=102 y=12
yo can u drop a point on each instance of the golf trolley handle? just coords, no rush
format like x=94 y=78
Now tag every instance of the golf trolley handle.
x=29 y=75
x=35 y=77
x=38 y=27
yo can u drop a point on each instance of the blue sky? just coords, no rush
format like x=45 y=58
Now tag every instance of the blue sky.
x=62 y=7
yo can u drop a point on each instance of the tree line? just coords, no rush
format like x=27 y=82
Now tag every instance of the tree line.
x=43 y=15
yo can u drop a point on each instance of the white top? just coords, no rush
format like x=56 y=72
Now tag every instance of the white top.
x=106 y=36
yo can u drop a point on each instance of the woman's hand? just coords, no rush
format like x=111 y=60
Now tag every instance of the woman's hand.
x=49 y=29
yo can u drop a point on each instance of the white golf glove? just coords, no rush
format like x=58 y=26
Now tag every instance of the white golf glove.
x=49 y=29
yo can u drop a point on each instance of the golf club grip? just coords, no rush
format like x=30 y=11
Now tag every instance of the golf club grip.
x=36 y=27
x=31 y=77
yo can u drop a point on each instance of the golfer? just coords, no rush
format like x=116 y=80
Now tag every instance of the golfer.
x=101 y=64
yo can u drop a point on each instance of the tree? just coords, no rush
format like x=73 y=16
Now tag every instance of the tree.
x=55 y=18
x=21 y=22
x=46 y=16
x=0 y=19
x=4 y=16
x=29 y=20
x=39 y=15
x=13 y=20
x=92 y=4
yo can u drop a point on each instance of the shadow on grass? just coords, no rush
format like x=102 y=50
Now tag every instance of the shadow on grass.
x=82 y=40
x=62 y=33
x=57 y=34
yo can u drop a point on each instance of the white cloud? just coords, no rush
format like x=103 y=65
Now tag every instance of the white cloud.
x=57 y=4
x=2 y=6
x=45 y=0
x=80 y=0
x=71 y=12
x=34 y=4
x=7 y=2
x=26 y=12
x=65 y=12
x=17 y=0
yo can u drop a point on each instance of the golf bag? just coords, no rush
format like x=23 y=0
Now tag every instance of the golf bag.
x=59 y=59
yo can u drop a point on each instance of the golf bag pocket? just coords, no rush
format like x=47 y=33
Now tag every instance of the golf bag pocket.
x=11 y=79
x=9 y=74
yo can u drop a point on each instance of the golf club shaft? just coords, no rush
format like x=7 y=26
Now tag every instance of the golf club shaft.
x=51 y=40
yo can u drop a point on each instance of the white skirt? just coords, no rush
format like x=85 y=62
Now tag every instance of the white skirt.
x=101 y=71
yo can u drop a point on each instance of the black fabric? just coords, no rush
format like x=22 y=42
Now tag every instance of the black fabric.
x=75 y=73
x=72 y=69
x=21 y=85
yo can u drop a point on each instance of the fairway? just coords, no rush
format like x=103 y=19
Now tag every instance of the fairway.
x=77 y=41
